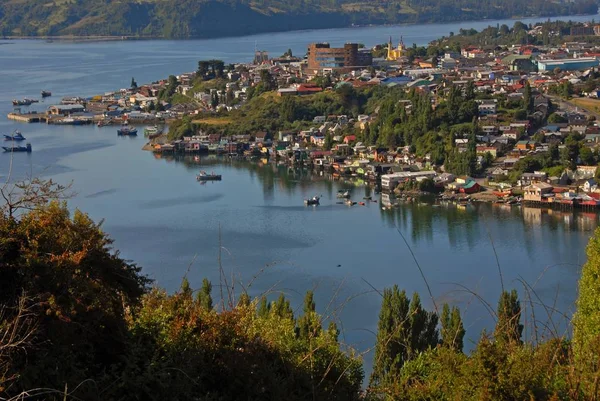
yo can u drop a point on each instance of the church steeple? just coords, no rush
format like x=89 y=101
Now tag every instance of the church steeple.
x=390 y=54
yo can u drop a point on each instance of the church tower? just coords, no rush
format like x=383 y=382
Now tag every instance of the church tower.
x=390 y=52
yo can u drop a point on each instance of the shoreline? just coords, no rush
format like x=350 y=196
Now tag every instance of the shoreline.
x=113 y=38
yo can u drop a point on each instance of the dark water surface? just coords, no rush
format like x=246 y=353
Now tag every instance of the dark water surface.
x=164 y=220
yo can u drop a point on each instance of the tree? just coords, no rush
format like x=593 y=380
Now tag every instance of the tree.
x=452 y=332
x=82 y=290
x=587 y=156
x=203 y=66
x=328 y=142
x=470 y=90
x=404 y=330
x=309 y=325
x=527 y=98
x=586 y=331
x=556 y=118
x=263 y=307
x=520 y=114
x=134 y=84
x=508 y=326
x=204 y=298
x=266 y=79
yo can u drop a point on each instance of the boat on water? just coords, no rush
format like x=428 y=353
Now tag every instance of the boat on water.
x=46 y=93
x=343 y=193
x=24 y=102
x=72 y=121
x=152 y=130
x=26 y=148
x=314 y=201
x=204 y=176
x=16 y=136
x=125 y=130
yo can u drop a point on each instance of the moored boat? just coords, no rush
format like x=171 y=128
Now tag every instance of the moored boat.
x=46 y=93
x=23 y=102
x=125 y=130
x=148 y=131
x=16 y=136
x=17 y=148
x=343 y=193
x=204 y=176
x=314 y=201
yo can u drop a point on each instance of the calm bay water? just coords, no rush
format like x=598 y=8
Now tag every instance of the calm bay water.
x=161 y=218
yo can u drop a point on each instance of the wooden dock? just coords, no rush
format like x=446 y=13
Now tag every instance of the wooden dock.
x=28 y=117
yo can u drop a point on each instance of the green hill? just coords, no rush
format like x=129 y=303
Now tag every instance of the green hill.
x=215 y=18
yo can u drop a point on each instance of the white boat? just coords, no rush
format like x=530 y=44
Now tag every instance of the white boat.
x=204 y=176
x=343 y=193
x=314 y=201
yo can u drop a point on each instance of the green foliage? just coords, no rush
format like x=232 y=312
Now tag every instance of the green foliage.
x=190 y=18
x=556 y=118
x=452 y=331
x=79 y=292
x=204 y=298
x=404 y=330
x=586 y=321
x=508 y=324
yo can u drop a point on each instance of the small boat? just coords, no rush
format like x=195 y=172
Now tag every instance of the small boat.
x=343 y=193
x=46 y=93
x=314 y=201
x=204 y=176
x=126 y=131
x=17 y=148
x=152 y=130
x=16 y=136
x=23 y=102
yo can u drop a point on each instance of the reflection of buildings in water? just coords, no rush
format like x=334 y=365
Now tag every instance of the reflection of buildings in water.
x=571 y=220
x=532 y=215
x=586 y=221
x=388 y=199
x=568 y=220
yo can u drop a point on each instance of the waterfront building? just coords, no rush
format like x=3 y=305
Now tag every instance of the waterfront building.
x=323 y=58
x=572 y=64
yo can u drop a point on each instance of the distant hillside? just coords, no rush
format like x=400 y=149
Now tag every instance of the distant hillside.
x=214 y=18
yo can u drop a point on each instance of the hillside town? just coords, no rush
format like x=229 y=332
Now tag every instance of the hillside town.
x=525 y=128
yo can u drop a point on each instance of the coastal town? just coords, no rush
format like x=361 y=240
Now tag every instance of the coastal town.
x=502 y=123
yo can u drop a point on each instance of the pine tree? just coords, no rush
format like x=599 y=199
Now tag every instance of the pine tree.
x=263 y=307
x=282 y=308
x=185 y=288
x=508 y=325
x=204 y=298
x=133 y=83
x=452 y=332
x=423 y=328
x=404 y=330
x=244 y=300
x=309 y=325
x=527 y=98
x=328 y=142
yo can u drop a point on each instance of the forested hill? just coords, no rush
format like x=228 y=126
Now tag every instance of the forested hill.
x=214 y=18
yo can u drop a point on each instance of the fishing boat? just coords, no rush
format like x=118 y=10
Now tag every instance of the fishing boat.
x=343 y=193
x=23 y=102
x=17 y=148
x=16 y=136
x=125 y=130
x=314 y=201
x=204 y=176
x=46 y=93
x=152 y=130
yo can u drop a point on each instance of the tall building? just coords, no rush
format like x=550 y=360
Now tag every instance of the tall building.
x=397 y=53
x=324 y=58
